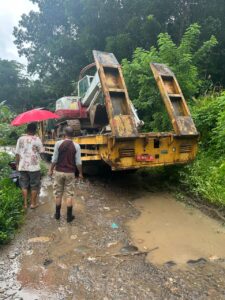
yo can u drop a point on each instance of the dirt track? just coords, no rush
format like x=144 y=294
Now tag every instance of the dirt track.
x=91 y=260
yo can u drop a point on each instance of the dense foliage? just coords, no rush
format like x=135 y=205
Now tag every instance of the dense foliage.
x=206 y=176
x=11 y=204
x=58 y=39
x=21 y=93
x=11 y=81
x=183 y=59
x=8 y=133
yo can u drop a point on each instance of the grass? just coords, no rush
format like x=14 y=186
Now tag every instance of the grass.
x=11 y=204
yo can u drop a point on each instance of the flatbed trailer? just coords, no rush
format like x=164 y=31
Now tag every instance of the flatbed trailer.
x=124 y=147
x=144 y=150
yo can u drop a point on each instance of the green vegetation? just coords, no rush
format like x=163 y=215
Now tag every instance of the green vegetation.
x=182 y=59
x=19 y=92
x=44 y=168
x=11 y=204
x=5 y=158
x=8 y=133
x=206 y=176
x=59 y=37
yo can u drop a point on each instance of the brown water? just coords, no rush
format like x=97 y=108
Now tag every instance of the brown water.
x=181 y=233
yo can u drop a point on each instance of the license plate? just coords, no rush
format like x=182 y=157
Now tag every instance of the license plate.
x=144 y=157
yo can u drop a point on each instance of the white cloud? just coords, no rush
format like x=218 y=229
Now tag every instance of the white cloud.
x=10 y=13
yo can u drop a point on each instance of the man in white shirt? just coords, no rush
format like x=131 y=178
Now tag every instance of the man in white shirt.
x=28 y=150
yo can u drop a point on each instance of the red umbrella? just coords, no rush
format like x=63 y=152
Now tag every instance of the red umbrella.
x=34 y=115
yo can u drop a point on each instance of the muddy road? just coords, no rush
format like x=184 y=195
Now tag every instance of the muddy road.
x=131 y=239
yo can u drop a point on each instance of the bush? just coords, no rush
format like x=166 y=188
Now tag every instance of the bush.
x=205 y=177
x=208 y=114
x=8 y=133
x=11 y=210
x=5 y=170
x=183 y=59
x=44 y=168
x=11 y=204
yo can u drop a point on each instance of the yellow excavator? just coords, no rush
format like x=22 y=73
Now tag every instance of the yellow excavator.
x=107 y=127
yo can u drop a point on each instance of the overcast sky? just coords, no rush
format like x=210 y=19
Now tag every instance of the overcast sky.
x=10 y=12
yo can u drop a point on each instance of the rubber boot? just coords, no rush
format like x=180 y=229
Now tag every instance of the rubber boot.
x=57 y=211
x=70 y=216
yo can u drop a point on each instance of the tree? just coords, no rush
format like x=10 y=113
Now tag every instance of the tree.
x=11 y=81
x=183 y=59
x=175 y=16
x=58 y=39
x=19 y=92
x=8 y=134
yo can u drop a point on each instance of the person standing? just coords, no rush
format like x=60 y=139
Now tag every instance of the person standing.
x=66 y=158
x=28 y=150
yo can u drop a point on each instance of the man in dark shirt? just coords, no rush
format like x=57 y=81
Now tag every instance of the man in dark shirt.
x=66 y=158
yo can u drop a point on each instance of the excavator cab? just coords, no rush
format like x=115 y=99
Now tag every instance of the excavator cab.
x=83 y=85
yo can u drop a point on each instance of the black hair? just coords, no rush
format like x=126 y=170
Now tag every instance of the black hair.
x=69 y=131
x=32 y=128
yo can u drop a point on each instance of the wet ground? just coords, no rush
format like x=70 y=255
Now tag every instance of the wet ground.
x=129 y=241
x=180 y=233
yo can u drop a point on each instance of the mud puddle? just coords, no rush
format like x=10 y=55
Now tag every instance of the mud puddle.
x=176 y=232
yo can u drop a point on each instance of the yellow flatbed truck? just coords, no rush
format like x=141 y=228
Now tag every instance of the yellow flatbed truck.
x=119 y=144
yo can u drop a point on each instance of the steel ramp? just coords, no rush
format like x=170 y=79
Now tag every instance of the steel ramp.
x=116 y=97
x=174 y=101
